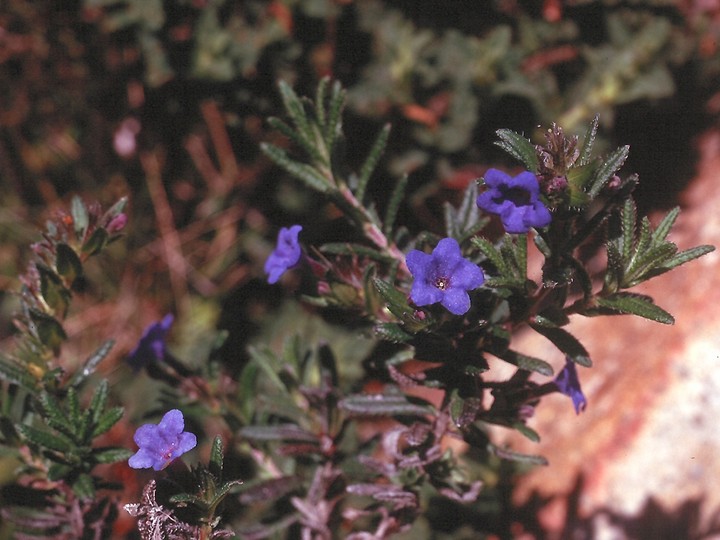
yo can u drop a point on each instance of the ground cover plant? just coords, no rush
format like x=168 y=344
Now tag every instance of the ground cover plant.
x=343 y=261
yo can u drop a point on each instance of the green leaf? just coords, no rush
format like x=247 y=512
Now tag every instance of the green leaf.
x=526 y=431
x=280 y=432
x=605 y=171
x=518 y=147
x=45 y=439
x=84 y=486
x=688 y=255
x=56 y=296
x=97 y=241
x=80 y=216
x=17 y=374
x=333 y=126
x=305 y=173
x=98 y=401
x=295 y=109
x=108 y=419
x=67 y=262
x=371 y=162
x=216 y=459
x=392 y=332
x=664 y=227
x=91 y=363
x=110 y=454
x=566 y=342
x=394 y=204
x=492 y=253
x=398 y=305
x=589 y=141
x=628 y=218
x=395 y=404
x=49 y=330
x=523 y=361
x=511 y=455
x=634 y=304
x=346 y=248
x=264 y=359
x=56 y=417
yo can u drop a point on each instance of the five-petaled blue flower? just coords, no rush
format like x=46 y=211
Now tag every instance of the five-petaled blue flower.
x=152 y=344
x=516 y=199
x=443 y=276
x=286 y=254
x=160 y=444
x=568 y=383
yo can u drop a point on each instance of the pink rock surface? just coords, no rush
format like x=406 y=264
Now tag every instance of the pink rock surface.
x=651 y=431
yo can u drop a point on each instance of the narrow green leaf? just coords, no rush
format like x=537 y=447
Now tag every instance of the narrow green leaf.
x=382 y=405
x=17 y=374
x=398 y=305
x=492 y=253
x=110 y=454
x=311 y=176
x=55 y=416
x=108 y=419
x=98 y=401
x=97 y=241
x=84 y=487
x=665 y=225
x=542 y=246
x=264 y=360
x=609 y=166
x=614 y=273
x=628 y=218
x=371 y=161
x=45 y=439
x=688 y=255
x=74 y=413
x=293 y=135
x=523 y=361
x=566 y=343
x=333 y=127
x=394 y=204
x=346 y=248
x=526 y=431
x=49 y=330
x=92 y=363
x=296 y=111
x=320 y=96
x=392 y=332
x=635 y=304
x=280 y=432
x=80 y=216
x=643 y=265
x=511 y=455
x=518 y=147
x=56 y=296
x=216 y=459
x=589 y=141
x=67 y=262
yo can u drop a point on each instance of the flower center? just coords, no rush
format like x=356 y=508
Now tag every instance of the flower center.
x=441 y=283
x=517 y=196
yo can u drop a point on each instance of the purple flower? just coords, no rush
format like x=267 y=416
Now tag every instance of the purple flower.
x=443 y=276
x=286 y=254
x=515 y=199
x=160 y=444
x=567 y=382
x=151 y=346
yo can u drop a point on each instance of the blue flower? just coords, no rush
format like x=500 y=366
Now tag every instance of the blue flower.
x=151 y=346
x=567 y=382
x=160 y=444
x=443 y=276
x=286 y=254
x=515 y=199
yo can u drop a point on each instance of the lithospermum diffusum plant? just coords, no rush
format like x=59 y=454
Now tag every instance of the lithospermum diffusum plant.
x=333 y=448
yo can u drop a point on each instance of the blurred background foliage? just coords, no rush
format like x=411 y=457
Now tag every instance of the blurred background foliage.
x=166 y=101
